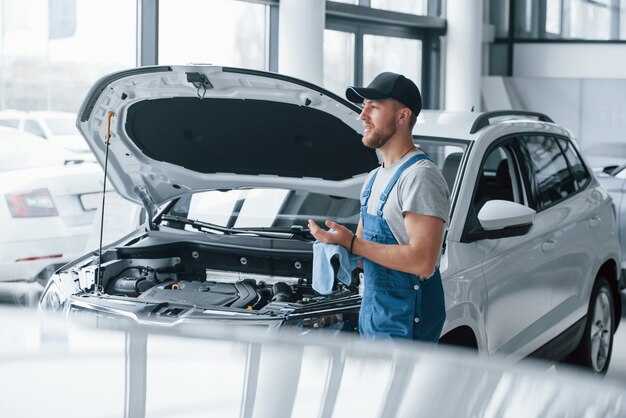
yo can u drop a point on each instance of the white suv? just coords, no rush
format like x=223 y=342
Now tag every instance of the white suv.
x=531 y=263
x=231 y=163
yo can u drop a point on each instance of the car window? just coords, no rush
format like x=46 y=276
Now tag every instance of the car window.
x=551 y=172
x=447 y=156
x=499 y=178
x=33 y=127
x=11 y=123
x=63 y=125
x=266 y=207
x=621 y=174
x=580 y=172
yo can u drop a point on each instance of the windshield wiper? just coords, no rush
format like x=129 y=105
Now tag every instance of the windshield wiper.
x=298 y=231
x=284 y=233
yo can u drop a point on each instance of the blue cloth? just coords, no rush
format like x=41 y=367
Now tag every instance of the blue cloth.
x=330 y=261
x=396 y=304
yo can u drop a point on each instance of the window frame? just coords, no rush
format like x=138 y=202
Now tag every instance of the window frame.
x=472 y=230
x=538 y=207
x=359 y=19
x=362 y=20
x=587 y=181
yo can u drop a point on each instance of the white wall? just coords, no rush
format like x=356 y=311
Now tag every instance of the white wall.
x=564 y=60
x=581 y=86
x=593 y=109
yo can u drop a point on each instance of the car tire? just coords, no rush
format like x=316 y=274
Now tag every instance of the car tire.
x=596 y=346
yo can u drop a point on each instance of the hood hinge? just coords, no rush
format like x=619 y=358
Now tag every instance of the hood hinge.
x=148 y=204
x=200 y=82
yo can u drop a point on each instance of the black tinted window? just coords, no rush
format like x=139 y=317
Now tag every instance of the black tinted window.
x=552 y=174
x=581 y=175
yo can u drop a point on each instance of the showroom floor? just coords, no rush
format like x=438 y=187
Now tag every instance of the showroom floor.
x=19 y=293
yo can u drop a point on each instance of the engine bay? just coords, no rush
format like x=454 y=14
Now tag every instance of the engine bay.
x=207 y=277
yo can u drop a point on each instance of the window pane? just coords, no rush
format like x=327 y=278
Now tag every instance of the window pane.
x=266 y=208
x=552 y=175
x=32 y=127
x=569 y=19
x=261 y=207
x=495 y=181
x=578 y=168
x=590 y=20
x=400 y=55
x=622 y=20
x=553 y=16
x=338 y=61
x=61 y=124
x=214 y=207
x=220 y=32
x=11 y=123
x=46 y=41
x=416 y=7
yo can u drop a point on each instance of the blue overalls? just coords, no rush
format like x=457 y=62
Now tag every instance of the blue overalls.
x=396 y=304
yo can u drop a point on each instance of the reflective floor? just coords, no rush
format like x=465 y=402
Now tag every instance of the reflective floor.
x=27 y=294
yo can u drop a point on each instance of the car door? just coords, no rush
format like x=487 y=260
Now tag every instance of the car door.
x=519 y=289
x=578 y=221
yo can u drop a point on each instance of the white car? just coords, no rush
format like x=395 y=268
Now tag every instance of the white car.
x=613 y=179
x=230 y=163
x=48 y=198
x=57 y=127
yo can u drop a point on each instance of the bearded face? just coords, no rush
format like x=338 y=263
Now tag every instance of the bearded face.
x=377 y=136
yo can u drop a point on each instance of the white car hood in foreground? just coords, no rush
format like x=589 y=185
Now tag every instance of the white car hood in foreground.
x=182 y=129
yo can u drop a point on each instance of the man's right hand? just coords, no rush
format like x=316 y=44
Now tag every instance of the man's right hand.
x=338 y=235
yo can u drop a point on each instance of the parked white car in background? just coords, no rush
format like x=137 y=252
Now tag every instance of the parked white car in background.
x=48 y=198
x=231 y=163
x=613 y=178
x=57 y=127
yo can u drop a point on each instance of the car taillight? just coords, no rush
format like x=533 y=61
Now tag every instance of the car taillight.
x=32 y=204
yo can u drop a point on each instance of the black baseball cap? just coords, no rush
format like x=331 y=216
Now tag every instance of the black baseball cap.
x=389 y=85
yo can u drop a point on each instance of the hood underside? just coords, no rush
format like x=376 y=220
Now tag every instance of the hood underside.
x=252 y=137
x=178 y=130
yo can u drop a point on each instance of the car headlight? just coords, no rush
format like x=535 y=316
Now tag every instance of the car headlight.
x=54 y=295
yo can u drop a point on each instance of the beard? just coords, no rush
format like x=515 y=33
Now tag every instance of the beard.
x=377 y=137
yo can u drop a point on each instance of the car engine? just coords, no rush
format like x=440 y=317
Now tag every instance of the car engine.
x=204 y=278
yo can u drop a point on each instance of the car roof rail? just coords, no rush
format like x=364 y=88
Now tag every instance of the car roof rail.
x=483 y=120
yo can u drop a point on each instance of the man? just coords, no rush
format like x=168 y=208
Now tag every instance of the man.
x=405 y=204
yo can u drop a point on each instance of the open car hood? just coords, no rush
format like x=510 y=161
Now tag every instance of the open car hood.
x=180 y=129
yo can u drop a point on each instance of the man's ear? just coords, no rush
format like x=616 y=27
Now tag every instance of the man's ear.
x=405 y=116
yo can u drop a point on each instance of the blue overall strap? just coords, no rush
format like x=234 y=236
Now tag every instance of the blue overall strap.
x=368 y=190
x=385 y=194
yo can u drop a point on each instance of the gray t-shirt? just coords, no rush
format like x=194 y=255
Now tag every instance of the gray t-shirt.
x=421 y=189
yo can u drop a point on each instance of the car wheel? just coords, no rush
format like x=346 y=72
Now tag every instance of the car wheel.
x=596 y=345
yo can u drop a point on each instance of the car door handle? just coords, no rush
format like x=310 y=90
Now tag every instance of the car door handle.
x=548 y=245
x=594 y=221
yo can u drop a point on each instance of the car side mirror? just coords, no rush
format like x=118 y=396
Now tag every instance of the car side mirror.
x=502 y=218
x=499 y=214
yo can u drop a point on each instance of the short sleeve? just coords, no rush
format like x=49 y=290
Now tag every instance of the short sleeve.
x=424 y=191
